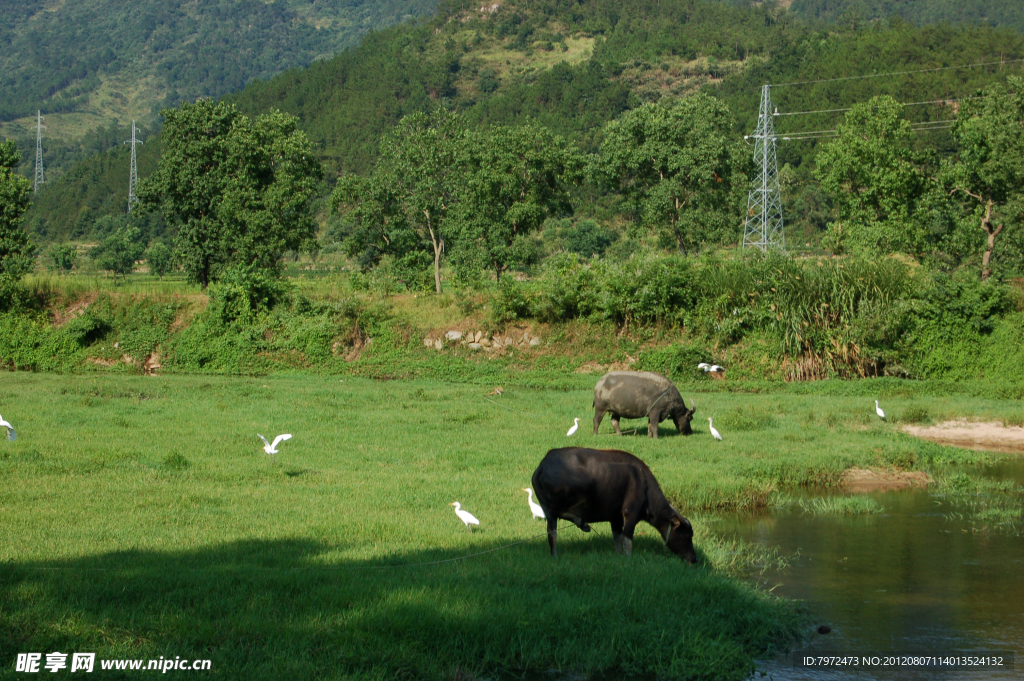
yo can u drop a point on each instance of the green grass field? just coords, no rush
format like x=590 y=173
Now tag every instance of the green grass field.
x=142 y=519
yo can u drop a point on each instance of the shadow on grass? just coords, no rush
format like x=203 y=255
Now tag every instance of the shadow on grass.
x=273 y=609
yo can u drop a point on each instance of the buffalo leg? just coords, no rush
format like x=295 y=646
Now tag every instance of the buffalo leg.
x=617 y=535
x=553 y=535
x=652 y=424
x=627 y=538
x=630 y=519
x=615 y=424
x=598 y=417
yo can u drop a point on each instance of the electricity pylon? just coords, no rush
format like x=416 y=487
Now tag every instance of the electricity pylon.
x=763 y=227
x=39 y=151
x=133 y=176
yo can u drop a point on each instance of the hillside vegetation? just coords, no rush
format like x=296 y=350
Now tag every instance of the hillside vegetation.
x=601 y=190
x=572 y=68
x=89 y=64
x=994 y=12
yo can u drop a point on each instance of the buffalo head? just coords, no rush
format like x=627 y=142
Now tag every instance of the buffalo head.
x=683 y=417
x=679 y=539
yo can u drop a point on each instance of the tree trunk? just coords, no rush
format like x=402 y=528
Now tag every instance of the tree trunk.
x=438 y=247
x=675 y=229
x=438 y=244
x=993 y=232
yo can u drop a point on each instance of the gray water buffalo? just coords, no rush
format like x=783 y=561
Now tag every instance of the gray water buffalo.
x=587 y=486
x=639 y=394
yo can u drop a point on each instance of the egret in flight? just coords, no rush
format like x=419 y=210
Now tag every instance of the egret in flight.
x=271 y=448
x=465 y=516
x=575 y=427
x=878 y=410
x=538 y=512
x=11 y=435
x=714 y=432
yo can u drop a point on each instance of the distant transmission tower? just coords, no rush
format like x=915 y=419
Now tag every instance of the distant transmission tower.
x=764 y=203
x=39 y=150
x=133 y=177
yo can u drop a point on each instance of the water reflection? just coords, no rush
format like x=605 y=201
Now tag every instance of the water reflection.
x=906 y=580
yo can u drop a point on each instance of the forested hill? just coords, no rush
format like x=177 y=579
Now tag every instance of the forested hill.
x=1009 y=13
x=91 y=62
x=573 y=67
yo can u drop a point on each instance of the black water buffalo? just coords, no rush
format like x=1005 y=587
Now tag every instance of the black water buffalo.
x=605 y=485
x=636 y=394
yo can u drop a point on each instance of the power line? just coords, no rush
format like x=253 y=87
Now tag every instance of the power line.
x=900 y=73
x=931 y=101
x=820 y=134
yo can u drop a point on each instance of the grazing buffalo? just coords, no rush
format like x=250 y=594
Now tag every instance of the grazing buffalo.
x=639 y=394
x=605 y=485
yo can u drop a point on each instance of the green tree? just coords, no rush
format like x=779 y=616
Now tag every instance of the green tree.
x=678 y=167
x=412 y=190
x=587 y=238
x=64 y=257
x=516 y=177
x=988 y=172
x=238 y=189
x=119 y=251
x=16 y=249
x=878 y=183
x=160 y=259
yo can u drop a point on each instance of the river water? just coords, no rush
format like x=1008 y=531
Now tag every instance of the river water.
x=917 y=578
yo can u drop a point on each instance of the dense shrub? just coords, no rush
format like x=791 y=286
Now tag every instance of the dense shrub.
x=243 y=292
x=675 y=361
x=64 y=257
x=951 y=323
x=588 y=239
x=650 y=290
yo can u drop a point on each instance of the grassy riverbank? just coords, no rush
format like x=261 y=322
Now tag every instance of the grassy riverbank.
x=173 y=534
x=764 y=319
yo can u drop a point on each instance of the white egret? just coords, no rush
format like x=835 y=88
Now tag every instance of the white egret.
x=272 y=448
x=714 y=431
x=575 y=427
x=704 y=365
x=715 y=368
x=538 y=512
x=465 y=516
x=878 y=410
x=11 y=434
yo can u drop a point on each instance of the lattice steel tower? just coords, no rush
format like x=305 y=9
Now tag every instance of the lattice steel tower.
x=763 y=227
x=39 y=150
x=133 y=176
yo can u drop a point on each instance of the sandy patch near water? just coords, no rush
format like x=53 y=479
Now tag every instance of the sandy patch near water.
x=982 y=436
